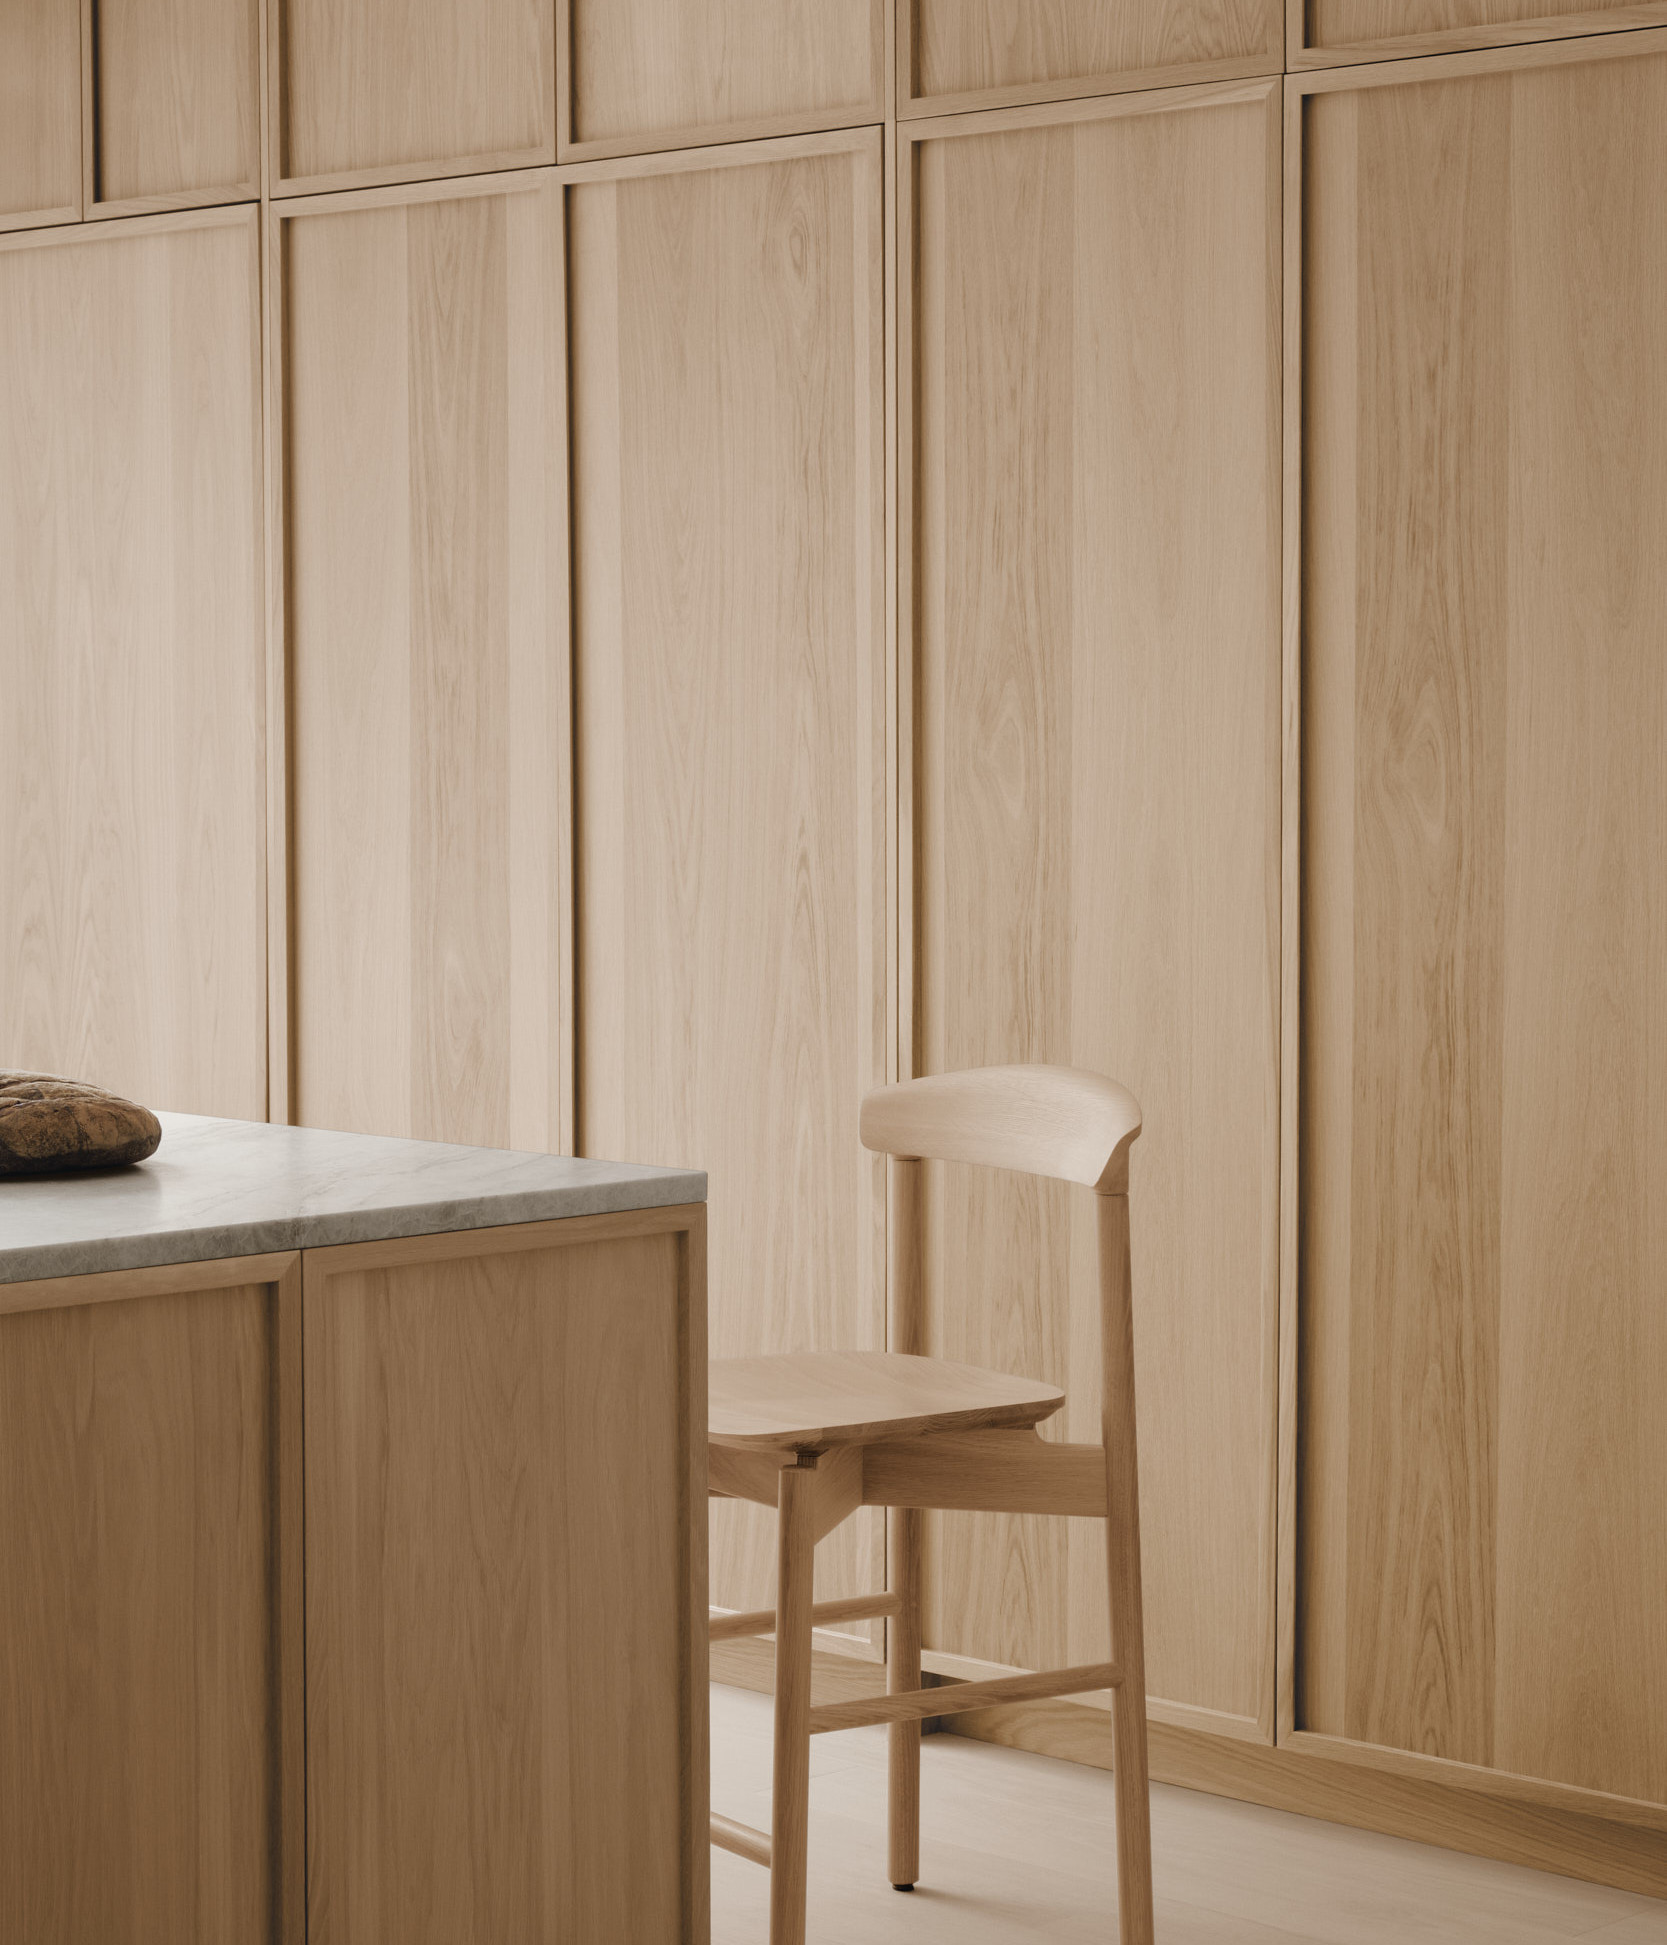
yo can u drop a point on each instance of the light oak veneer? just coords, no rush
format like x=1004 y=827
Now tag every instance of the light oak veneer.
x=1484 y=1132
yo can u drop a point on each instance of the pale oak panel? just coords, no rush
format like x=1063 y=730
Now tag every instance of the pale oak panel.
x=966 y=53
x=40 y=112
x=654 y=74
x=1094 y=340
x=728 y=658
x=177 y=104
x=140 y=1621
x=1486 y=822
x=1355 y=30
x=499 y=1640
x=390 y=90
x=132 y=894
x=423 y=453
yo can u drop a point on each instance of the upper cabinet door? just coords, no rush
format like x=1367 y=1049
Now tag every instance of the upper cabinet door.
x=730 y=682
x=176 y=117
x=956 y=54
x=422 y=495
x=660 y=74
x=40 y=112
x=1090 y=544
x=1326 y=32
x=132 y=808
x=1484 y=802
x=367 y=91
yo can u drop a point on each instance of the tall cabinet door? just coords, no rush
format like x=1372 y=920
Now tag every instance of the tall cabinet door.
x=1091 y=555
x=1484 y=1126
x=423 y=483
x=132 y=810
x=729 y=656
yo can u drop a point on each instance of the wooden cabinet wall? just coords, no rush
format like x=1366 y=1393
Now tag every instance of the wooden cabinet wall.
x=1092 y=587
x=132 y=794
x=729 y=663
x=746 y=622
x=1484 y=1125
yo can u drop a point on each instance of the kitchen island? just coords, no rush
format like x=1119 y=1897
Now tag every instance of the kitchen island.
x=352 y=1562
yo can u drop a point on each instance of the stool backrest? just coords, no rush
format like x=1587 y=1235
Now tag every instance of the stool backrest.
x=1061 y=1122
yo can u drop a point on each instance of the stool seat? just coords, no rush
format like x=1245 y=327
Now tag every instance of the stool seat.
x=807 y=1401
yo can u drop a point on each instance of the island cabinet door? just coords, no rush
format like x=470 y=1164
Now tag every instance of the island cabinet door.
x=150 y=1607
x=1484 y=811
x=506 y=1603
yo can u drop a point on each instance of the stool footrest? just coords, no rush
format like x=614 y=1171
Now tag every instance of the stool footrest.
x=915 y=1704
x=860 y=1607
x=742 y=1839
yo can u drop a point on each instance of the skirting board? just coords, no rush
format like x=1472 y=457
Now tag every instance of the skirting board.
x=1564 y=1841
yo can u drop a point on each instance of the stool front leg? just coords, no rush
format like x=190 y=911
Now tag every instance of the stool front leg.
x=902 y=1675
x=790 y=1813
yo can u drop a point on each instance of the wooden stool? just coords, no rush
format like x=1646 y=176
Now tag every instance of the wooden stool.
x=818 y=1434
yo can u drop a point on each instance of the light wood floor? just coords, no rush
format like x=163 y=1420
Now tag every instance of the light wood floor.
x=1019 y=1847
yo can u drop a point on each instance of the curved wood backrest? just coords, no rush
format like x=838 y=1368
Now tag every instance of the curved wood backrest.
x=1062 y=1122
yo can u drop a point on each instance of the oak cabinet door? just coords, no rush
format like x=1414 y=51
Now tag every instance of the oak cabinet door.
x=1090 y=542
x=1484 y=1126
x=959 y=54
x=40 y=112
x=396 y=90
x=729 y=659
x=421 y=402
x=661 y=74
x=132 y=802
x=177 y=117
x=1326 y=31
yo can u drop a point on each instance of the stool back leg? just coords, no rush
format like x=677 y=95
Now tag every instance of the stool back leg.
x=903 y=1674
x=1128 y=1650
x=790 y=1807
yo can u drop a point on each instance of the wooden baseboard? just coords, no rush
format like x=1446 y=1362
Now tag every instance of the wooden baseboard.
x=1569 y=1842
x=1566 y=1841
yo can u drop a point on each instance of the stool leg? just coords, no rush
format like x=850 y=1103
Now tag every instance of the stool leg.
x=1128 y=1647
x=902 y=1673
x=790 y=1813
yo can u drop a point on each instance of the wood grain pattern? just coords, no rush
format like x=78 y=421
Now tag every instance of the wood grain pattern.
x=40 y=112
x=132 y=938
x=729 y=657
x=139 y=1625
x=657 y=74
x=394 y=90
x=1485 y=822
x=1092 y=350
x=958 y=54
x=1371 y=29
x=177 y=104
x=499 y=1629
x=423 y=420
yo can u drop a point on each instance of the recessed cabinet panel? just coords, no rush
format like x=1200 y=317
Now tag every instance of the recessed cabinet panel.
x=393 y=90
x=176 y=100
x=40 y=112
x=729 y=664
x=139 y=1620
x=1484 y=1128
x=650 y=74
x=1370 y=29
x=424 y=481
x=965 y=53
x=1092 y=542
x=132 y=794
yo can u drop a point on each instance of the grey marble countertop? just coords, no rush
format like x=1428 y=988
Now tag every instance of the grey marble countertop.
x=238 y=1188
